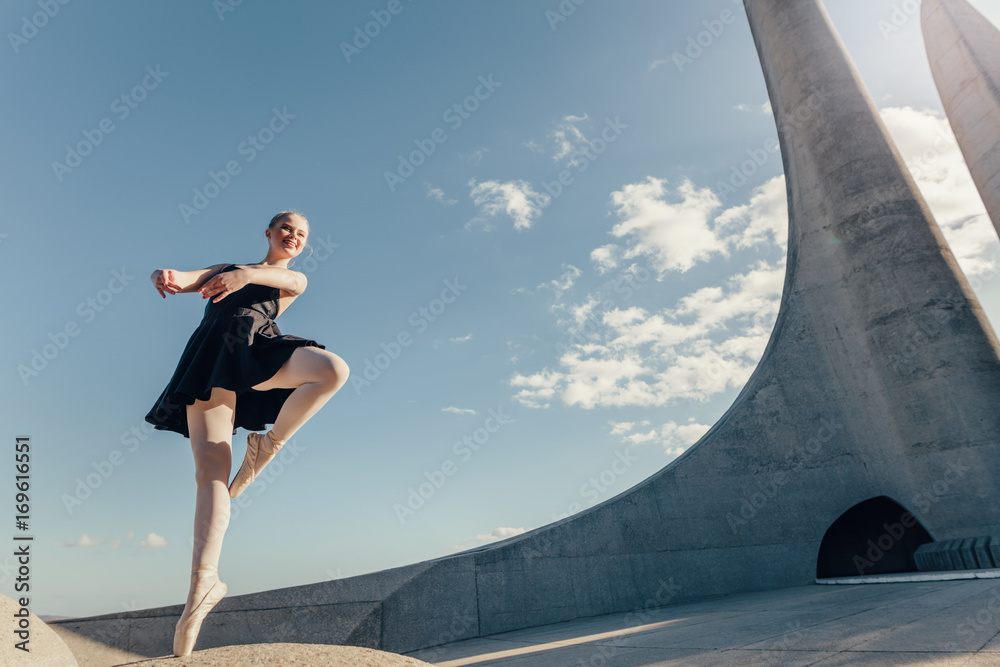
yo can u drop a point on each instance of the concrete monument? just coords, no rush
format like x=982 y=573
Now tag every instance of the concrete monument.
x=870 y=427
x=964 y=52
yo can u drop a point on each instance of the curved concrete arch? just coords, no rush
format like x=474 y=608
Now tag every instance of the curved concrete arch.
x=881 y=378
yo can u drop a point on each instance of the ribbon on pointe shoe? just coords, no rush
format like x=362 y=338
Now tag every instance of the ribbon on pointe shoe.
x=275 y=441
x=248 y=471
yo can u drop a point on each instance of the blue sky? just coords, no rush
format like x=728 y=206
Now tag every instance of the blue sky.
x=608 y=320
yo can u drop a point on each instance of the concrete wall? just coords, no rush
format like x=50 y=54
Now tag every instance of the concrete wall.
x=881 y=376
x=964 y=52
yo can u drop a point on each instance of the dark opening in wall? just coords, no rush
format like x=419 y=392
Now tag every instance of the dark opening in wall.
x=877 y=536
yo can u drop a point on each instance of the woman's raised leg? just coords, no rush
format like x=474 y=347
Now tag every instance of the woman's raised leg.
x=316 y=375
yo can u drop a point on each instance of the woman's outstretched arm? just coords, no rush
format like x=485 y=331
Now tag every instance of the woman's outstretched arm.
x=291 y=283
x=169 y=281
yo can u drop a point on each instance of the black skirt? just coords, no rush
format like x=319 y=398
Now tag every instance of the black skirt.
x=236 y=346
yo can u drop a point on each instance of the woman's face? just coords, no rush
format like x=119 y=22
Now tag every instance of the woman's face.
x=288 y=236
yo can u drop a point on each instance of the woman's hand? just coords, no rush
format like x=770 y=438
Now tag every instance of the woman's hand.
x=164 y=282
x=224 y=284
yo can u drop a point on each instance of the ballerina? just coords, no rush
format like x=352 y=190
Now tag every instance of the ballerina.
x=239 y=370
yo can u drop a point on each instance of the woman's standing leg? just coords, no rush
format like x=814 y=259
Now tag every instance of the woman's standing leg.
x=210 y=424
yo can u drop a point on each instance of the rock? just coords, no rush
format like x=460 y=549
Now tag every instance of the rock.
x=45 y=647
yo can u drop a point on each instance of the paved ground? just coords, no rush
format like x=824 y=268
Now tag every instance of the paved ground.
x=921 y=623
x=292 y=655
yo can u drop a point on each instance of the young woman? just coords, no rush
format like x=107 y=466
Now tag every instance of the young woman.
x=238 y=370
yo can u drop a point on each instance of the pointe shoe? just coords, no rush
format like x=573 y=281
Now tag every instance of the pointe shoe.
x=247 y=472
x=188 y=627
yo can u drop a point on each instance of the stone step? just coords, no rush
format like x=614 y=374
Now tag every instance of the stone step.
x=968 y=553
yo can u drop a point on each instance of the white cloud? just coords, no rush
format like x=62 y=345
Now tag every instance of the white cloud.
x=515 y=198
x=764 y=108
x=764 y=219
x=710 y=340
x=84 y=541
x=458 y=411
x=153 y=541
x=605 y=257
x=571 y=144
x=437 y=194
x=564 y=282
x=462 y=339
x=475 y=156
x=497 y=534
x=657 y=63
x=568 y=137
x=672 y=437
x=539 y=388
x=516 y=355
x=617 y=428
x=927 y=145
x=672 y=229
x=641 y=438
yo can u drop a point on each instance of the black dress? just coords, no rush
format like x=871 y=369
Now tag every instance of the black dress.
x=236 y=346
